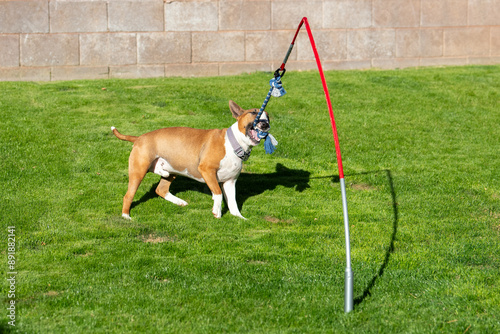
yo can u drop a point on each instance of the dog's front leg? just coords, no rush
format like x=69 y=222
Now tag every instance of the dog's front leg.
x=217 y=209
x=210 y=177
x=230 y=193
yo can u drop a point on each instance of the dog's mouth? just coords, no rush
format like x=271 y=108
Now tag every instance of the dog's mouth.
x=254 y=137
x=262 y=128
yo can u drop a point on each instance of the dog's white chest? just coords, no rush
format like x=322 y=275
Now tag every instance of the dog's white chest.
x=230 y=165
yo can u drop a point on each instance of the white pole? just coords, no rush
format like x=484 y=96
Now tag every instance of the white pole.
x=348 y=294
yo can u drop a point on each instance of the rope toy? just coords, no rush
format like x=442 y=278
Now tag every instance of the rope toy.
x=276 y=90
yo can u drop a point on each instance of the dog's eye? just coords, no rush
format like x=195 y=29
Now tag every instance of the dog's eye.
x=254 y=112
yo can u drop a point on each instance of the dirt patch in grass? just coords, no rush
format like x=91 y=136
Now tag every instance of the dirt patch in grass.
x=362 y=186
x=155 y=239
x=51 y=293
x=84 y=255
x=277 y=220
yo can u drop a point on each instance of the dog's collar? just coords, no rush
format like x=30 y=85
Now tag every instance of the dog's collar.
x=238 y=150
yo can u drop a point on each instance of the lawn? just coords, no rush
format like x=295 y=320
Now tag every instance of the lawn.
x=420 y=152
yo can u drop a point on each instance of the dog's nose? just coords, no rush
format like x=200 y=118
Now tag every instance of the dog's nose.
x=263 y=125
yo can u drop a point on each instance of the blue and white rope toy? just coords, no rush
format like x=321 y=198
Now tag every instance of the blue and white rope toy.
x=276 y=90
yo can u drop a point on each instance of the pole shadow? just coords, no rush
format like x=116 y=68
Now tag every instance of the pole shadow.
x=247 y=186
x=390 y=249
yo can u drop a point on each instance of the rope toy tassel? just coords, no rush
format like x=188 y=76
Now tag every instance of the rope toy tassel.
x=270 y=144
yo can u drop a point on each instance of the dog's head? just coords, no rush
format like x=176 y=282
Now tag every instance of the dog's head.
x=246 y=120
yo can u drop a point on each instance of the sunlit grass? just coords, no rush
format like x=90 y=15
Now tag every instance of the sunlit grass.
x=420 y=150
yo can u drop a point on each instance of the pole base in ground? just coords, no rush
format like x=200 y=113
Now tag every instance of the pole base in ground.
x=348 y=297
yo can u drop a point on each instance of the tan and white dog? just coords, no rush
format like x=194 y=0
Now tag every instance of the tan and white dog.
x=210 y=156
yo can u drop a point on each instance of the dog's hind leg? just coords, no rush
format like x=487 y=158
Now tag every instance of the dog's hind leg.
x=137 y=169
x=163 y=190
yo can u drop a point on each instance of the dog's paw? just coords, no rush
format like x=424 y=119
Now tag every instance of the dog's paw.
x=124 y=215
x=217 y=209
x=240 y=216
x=217 y=214
x=176 y=200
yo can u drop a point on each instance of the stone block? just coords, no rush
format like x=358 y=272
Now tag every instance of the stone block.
x=258 y=46
x=443 y=13
x=164 y=47
x=342 y=14
x=136 y=16
x=245 y=15
x=303 y=66
x=49 y=50
x=287 y=14
x=137 y=71
x=78 y=16
x=218 y=47
x=109 y=1
x=347 y=65
x=108 y=49
x=408 y=43
x=367 y=44
x=396 y=13
x=240 y=68
x=484 y=12
x=495 y=41
x=484 y=60
x=25 y=74
x=191 y=70
x=280 y=43
x=331 y=45
x=268 y=45
x=419 y=43
x=467 y=41
x=24 y=17
x=393 y=63
x=431 y=42
x=79 y=73
x=191 y=16
x=443 y=61
x=9 y=56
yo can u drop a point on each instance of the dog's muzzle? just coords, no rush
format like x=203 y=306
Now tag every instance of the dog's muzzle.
x=260 y=131
x=263 y=125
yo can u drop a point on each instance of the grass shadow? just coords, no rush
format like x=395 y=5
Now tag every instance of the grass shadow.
x=248 y=184
x=5 y=328
x=390 y=249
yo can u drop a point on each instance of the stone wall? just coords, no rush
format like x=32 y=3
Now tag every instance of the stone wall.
x=93 y=39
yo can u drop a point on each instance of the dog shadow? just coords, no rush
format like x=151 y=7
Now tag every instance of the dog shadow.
x=248 y=184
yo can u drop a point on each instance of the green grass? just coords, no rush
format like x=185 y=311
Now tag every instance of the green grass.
x=421 y=157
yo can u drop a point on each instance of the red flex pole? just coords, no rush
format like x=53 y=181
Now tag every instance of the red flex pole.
x=348 y=295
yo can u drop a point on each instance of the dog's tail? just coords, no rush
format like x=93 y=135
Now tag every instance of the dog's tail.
x=123 y=137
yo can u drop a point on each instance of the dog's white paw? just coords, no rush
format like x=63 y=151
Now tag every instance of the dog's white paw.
x=217 y=213
x=238 y=215
x=217 y=209
x=176 y=200
x=124 y=215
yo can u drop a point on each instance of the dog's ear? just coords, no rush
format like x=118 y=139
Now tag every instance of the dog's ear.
x=236 y=110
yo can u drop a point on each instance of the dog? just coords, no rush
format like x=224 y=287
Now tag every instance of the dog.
x=210 y=156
